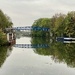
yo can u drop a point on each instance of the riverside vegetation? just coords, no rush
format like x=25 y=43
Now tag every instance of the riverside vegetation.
x=60 y=25
x=5 y=22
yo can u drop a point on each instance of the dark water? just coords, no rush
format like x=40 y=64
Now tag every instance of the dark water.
x=57 y=59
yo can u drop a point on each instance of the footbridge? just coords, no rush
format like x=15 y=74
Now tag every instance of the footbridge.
x=11 y=36
x=34 y=28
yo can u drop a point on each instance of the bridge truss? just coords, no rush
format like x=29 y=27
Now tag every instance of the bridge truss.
x=35 y=28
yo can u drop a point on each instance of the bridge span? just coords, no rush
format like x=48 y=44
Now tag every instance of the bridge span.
x=34 y=28
x=11 y=31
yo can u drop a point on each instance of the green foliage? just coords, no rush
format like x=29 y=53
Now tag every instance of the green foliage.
x=3 y=38
x=42 y=22
x=69 y=29
x=57 y=20
x=58 y=51
x=65 y=25
x=4 y=21
x=59 y=24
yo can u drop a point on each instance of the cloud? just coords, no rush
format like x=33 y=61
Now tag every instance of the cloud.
x=24 y=12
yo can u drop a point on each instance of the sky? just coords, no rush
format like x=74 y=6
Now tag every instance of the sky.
x=25 y=12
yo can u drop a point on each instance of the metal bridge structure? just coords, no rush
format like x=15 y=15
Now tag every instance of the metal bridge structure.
x=11 y=36
x=31 y=45
x=34 y=28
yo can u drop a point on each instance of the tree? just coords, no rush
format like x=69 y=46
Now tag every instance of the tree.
x=56 y=23
x=4 y=21
x=3 y=38
x=42 y=22
x=70 y=24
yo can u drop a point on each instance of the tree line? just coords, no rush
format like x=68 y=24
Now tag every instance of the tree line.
x=5 y=22
x=60 y=25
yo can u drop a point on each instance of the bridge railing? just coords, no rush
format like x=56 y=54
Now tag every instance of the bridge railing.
x=34 y=28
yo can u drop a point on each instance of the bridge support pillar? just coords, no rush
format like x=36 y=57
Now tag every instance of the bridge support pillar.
x=11 y=38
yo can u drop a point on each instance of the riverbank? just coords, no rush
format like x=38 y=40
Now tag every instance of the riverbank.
x=5 y=22
x=3 y=39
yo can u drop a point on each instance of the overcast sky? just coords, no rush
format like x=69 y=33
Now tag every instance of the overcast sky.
x=24 y=12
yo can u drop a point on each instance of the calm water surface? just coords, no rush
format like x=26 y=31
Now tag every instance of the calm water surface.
x=31 y=61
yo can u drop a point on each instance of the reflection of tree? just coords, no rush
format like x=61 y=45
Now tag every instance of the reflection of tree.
x=64 y=53
x=3 y=54
x=60 y=52
x=41 y=40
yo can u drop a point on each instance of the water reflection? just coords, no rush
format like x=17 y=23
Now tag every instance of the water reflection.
x=38 y=61
x=40 y=40
x=59 y=51
x=4 y=53
x=31 y=45
x=63 y=53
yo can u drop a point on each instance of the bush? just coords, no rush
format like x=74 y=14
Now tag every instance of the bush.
x=3 y=38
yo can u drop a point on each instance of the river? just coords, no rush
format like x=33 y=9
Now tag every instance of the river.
x=59 y=59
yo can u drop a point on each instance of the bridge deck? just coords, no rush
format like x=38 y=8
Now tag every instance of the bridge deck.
x=35 y=28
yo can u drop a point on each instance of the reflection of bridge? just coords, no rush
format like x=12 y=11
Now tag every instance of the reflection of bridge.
x=35 y=28
x=31 y=45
